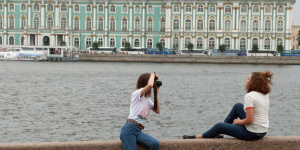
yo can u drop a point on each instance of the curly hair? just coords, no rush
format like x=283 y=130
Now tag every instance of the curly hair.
x=143 y=81
x=260 y=82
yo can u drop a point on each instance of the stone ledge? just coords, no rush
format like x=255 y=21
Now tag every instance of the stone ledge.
x=267 y=143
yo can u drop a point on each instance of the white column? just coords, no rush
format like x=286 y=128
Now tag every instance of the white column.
x=205 y=43
x=237 y=41
x=249 y=19
x=130 y=18
x=181 y=42
x=181 y=18
x=205 y=16
x=29 y=16
x=106 y=21
x=94 y=16
x=218 y=18
x=43 y=15
x=233 y=18
x=261 y=43
x=237 y=18
x=194 y=18
x=105 y=41
x=249 y=44
x=5 y=17
x=222 y=18
x=143 y=19
x=262 y=18
x=70 y=15
x=274 y=19
x=168 y=17
x=56 y=15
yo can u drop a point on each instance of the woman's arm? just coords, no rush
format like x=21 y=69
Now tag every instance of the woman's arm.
x=149 y=86
x=248 y=120
x=158 y=105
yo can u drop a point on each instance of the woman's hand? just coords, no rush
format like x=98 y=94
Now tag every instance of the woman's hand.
x=236 y=121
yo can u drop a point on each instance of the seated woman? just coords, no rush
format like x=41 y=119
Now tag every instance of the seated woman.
x=253 y=122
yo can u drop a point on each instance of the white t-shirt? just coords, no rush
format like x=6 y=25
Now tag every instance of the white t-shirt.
x=260 y=104
x=140 y=107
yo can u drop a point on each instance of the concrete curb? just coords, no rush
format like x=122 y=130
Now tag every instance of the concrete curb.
x=274 y=60
x=267 y=143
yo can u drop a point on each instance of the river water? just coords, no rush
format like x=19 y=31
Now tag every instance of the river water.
x=89 y=101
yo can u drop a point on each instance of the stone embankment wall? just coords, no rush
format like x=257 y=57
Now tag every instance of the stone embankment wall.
x=267 y=143
x=276 y=60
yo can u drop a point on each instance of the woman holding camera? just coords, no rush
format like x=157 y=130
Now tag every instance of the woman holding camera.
x=253 y=122
x=140 y=107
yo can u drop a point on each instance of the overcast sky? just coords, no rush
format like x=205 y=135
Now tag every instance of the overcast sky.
x=296 y=12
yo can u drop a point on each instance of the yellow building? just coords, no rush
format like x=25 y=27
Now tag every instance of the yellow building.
x=295 y=30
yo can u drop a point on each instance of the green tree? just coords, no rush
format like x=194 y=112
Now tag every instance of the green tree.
x=190 y=46
x=280 y=48
x=222 y=48
x=63 y=43
x=159 y=46
x=95 y=45
x=127 y=46
x=255 y=48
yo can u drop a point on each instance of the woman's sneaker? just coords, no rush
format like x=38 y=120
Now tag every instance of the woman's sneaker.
x=189 y=137
x=220 y=136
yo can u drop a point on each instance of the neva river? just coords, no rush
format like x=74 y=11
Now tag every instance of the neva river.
x=89 y=101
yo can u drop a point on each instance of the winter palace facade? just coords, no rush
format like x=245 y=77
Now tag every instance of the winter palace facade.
x=207 y=24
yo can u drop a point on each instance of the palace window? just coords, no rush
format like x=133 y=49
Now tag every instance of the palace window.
x=136 y=43
x=124 y=24
x=255 y=41
x=11 y=40
x=188 y=8
x=163 y=44
x=199 y=43
x=150 y=25
x=227 y=43
x=227 y=10
x=137 y=25
x=280 y=9
x=200 y=8
x=212 y=25
x=243 y=25
x=76 y=42
x=227 y=26
x=112 y=42
x=149 y=43
x=280 y=25
x=188 y=24
x=243 y=43
x=268 y=25
x=11 y=23
x=123 y=42
x=200 y=24
x=100 y=8
x=255 y=9
x=11 y=7
x=162 y=25
x=176 y=8
x=89 y=24
x=279 y=41
x=163 y=9
x=49 y=23
x=63 y=8
x=88 y=42
x=267 y=43
x=63 y=23
x=112 y=24
x=49 y=7
x=23 y=22
x=100 y=24
x=76 y=26
x=176 y=24
x=175 y=42
x=36 y=23
x=255 y=25
x=124 y=9
x=243 y=9
x=137 y=9
x=268 y=9
x=112 y=8
x=88 y=8
x=100 y=42
x=211 y=43
x=212 y=9
x=36 y=7
x=187 y=41
x=77 y=8
x=23 y=7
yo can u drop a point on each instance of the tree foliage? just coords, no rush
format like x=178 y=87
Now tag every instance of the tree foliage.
x=127 y=46
x=95 y=45
x=280 y=48
x=222 y=48
x=63 y=43
x=190 y=46
x=159 y=46
x=255 y=48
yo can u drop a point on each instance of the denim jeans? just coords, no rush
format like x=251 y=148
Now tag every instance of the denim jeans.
x=131 y=135
x=234 y=130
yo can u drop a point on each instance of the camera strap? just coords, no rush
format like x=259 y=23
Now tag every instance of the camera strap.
x=155 y=93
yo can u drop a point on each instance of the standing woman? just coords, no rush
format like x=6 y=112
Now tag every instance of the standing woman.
x=140 y=107
x=253 y=122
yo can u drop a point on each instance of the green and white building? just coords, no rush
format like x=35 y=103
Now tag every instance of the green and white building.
x=207 y=24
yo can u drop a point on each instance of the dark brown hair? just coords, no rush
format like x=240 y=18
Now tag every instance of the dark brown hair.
x=142 y=82
x=260 y=82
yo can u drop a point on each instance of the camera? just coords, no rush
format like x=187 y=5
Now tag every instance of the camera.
x=158 y=83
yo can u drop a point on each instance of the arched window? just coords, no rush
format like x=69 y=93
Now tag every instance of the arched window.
x=23 y=22
x=112 y=42
x=100 y=42
x=76 y=26
x=176 y=24
x=100 y=24
x=36 y=7
x=136 y=43
x=123 y=42
x=188 y=8
x=112 y=8
x=243 y=25
x=137 y=24
x=112 y=24
x=280 y=9
x=150 y=25
x=11 y=41
x=254 y=41
x=1 y=22
x=49 y=7
x=49 y=23
x=211 y=43
x=124 y=24
x=88 y=42
x=88 y=8
x=36 y=23
x=11 y=22
x=212 y=25
x=227 y=43
x=162 y=25
x=22 y=40
x=176 y=8
x=100 y=8
x=23 y=7
x=162 y=41
x=279 y=41
x=63 y=23
x=188 y=24
x=200 y=24
x=63 y=7
x=76 y=42
x=280 y=25
x=77 y=8
x=227 y=26
x=11 y=7
x=88 y=24
x=175 y=42
x=199 y=43
x=267 y=43
x=149 y=43
x=242 y=43
x=187 y=41
x=212 y=9
x=255 y=25
x=0 y=40
x=268 y=25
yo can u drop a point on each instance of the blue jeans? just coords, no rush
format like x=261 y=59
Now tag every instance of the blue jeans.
x=131 y=135
x=234 y=130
